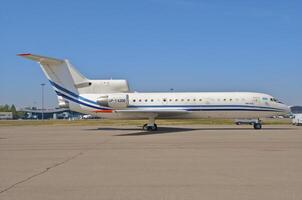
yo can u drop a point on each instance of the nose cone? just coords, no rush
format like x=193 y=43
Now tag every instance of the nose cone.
x=285 y=109
x=288 y=109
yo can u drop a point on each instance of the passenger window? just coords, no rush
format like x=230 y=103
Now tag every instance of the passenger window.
x=146 y=100
x=164 y=100
x=152 y=100
x=140 y=100
x=134 y=100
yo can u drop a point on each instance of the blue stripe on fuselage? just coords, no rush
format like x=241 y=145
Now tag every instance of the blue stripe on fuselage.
x=71 y=93
x=80 y=102
x=233 y=109
x=209 y=109
x=181 y=107
x=246 y=106
x=201 y=107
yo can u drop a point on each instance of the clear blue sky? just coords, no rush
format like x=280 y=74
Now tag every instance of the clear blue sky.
x=188 y=45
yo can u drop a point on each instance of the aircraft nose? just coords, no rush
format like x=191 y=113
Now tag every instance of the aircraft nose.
x=286 y=109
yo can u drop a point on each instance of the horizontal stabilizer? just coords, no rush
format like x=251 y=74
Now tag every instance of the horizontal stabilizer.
x=41 y=59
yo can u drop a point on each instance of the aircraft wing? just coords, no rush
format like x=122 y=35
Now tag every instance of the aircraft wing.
x=157 y=112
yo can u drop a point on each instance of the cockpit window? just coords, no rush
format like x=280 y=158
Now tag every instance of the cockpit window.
x=275 y=100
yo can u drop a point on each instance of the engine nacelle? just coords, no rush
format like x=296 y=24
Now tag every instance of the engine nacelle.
x=116 y=101
x=62 y=102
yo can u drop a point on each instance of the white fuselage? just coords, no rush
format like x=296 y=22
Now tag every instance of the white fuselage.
x=186 y=105
x=112 y=99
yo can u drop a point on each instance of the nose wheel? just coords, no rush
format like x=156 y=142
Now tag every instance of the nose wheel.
x=256 y=123
x=257 y=126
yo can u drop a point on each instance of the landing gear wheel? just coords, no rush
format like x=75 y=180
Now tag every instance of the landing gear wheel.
x=154 y=128
x=146 y=127
x=257 y=126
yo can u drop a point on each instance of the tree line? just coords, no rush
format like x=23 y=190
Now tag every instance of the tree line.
x=12 y=108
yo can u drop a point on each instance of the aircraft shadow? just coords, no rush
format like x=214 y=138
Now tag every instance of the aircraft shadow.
x=160 y=130
x=165 y=130
x=113 y=129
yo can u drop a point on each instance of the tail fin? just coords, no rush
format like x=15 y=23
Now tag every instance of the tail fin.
x=59 y=72
x=64 y=77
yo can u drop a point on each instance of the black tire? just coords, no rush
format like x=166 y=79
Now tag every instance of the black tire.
x=154 y=128
x=150 y=128
x=257 y=126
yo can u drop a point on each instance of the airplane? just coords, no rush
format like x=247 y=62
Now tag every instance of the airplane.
x=113 y=99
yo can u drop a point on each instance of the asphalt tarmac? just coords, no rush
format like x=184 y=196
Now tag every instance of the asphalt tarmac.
x=177 y=162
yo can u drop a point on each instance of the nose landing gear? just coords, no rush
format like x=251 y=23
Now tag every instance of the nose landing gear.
x=256 y=123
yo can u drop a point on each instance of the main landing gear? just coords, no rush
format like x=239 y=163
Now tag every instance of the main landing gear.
x=151 y=126
x=147 y=127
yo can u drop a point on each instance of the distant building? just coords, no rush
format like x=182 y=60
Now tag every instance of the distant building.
x=296 y=109
x=6 y=115
x=56 y=113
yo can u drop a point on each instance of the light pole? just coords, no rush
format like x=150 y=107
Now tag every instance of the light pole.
x=42 y=85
